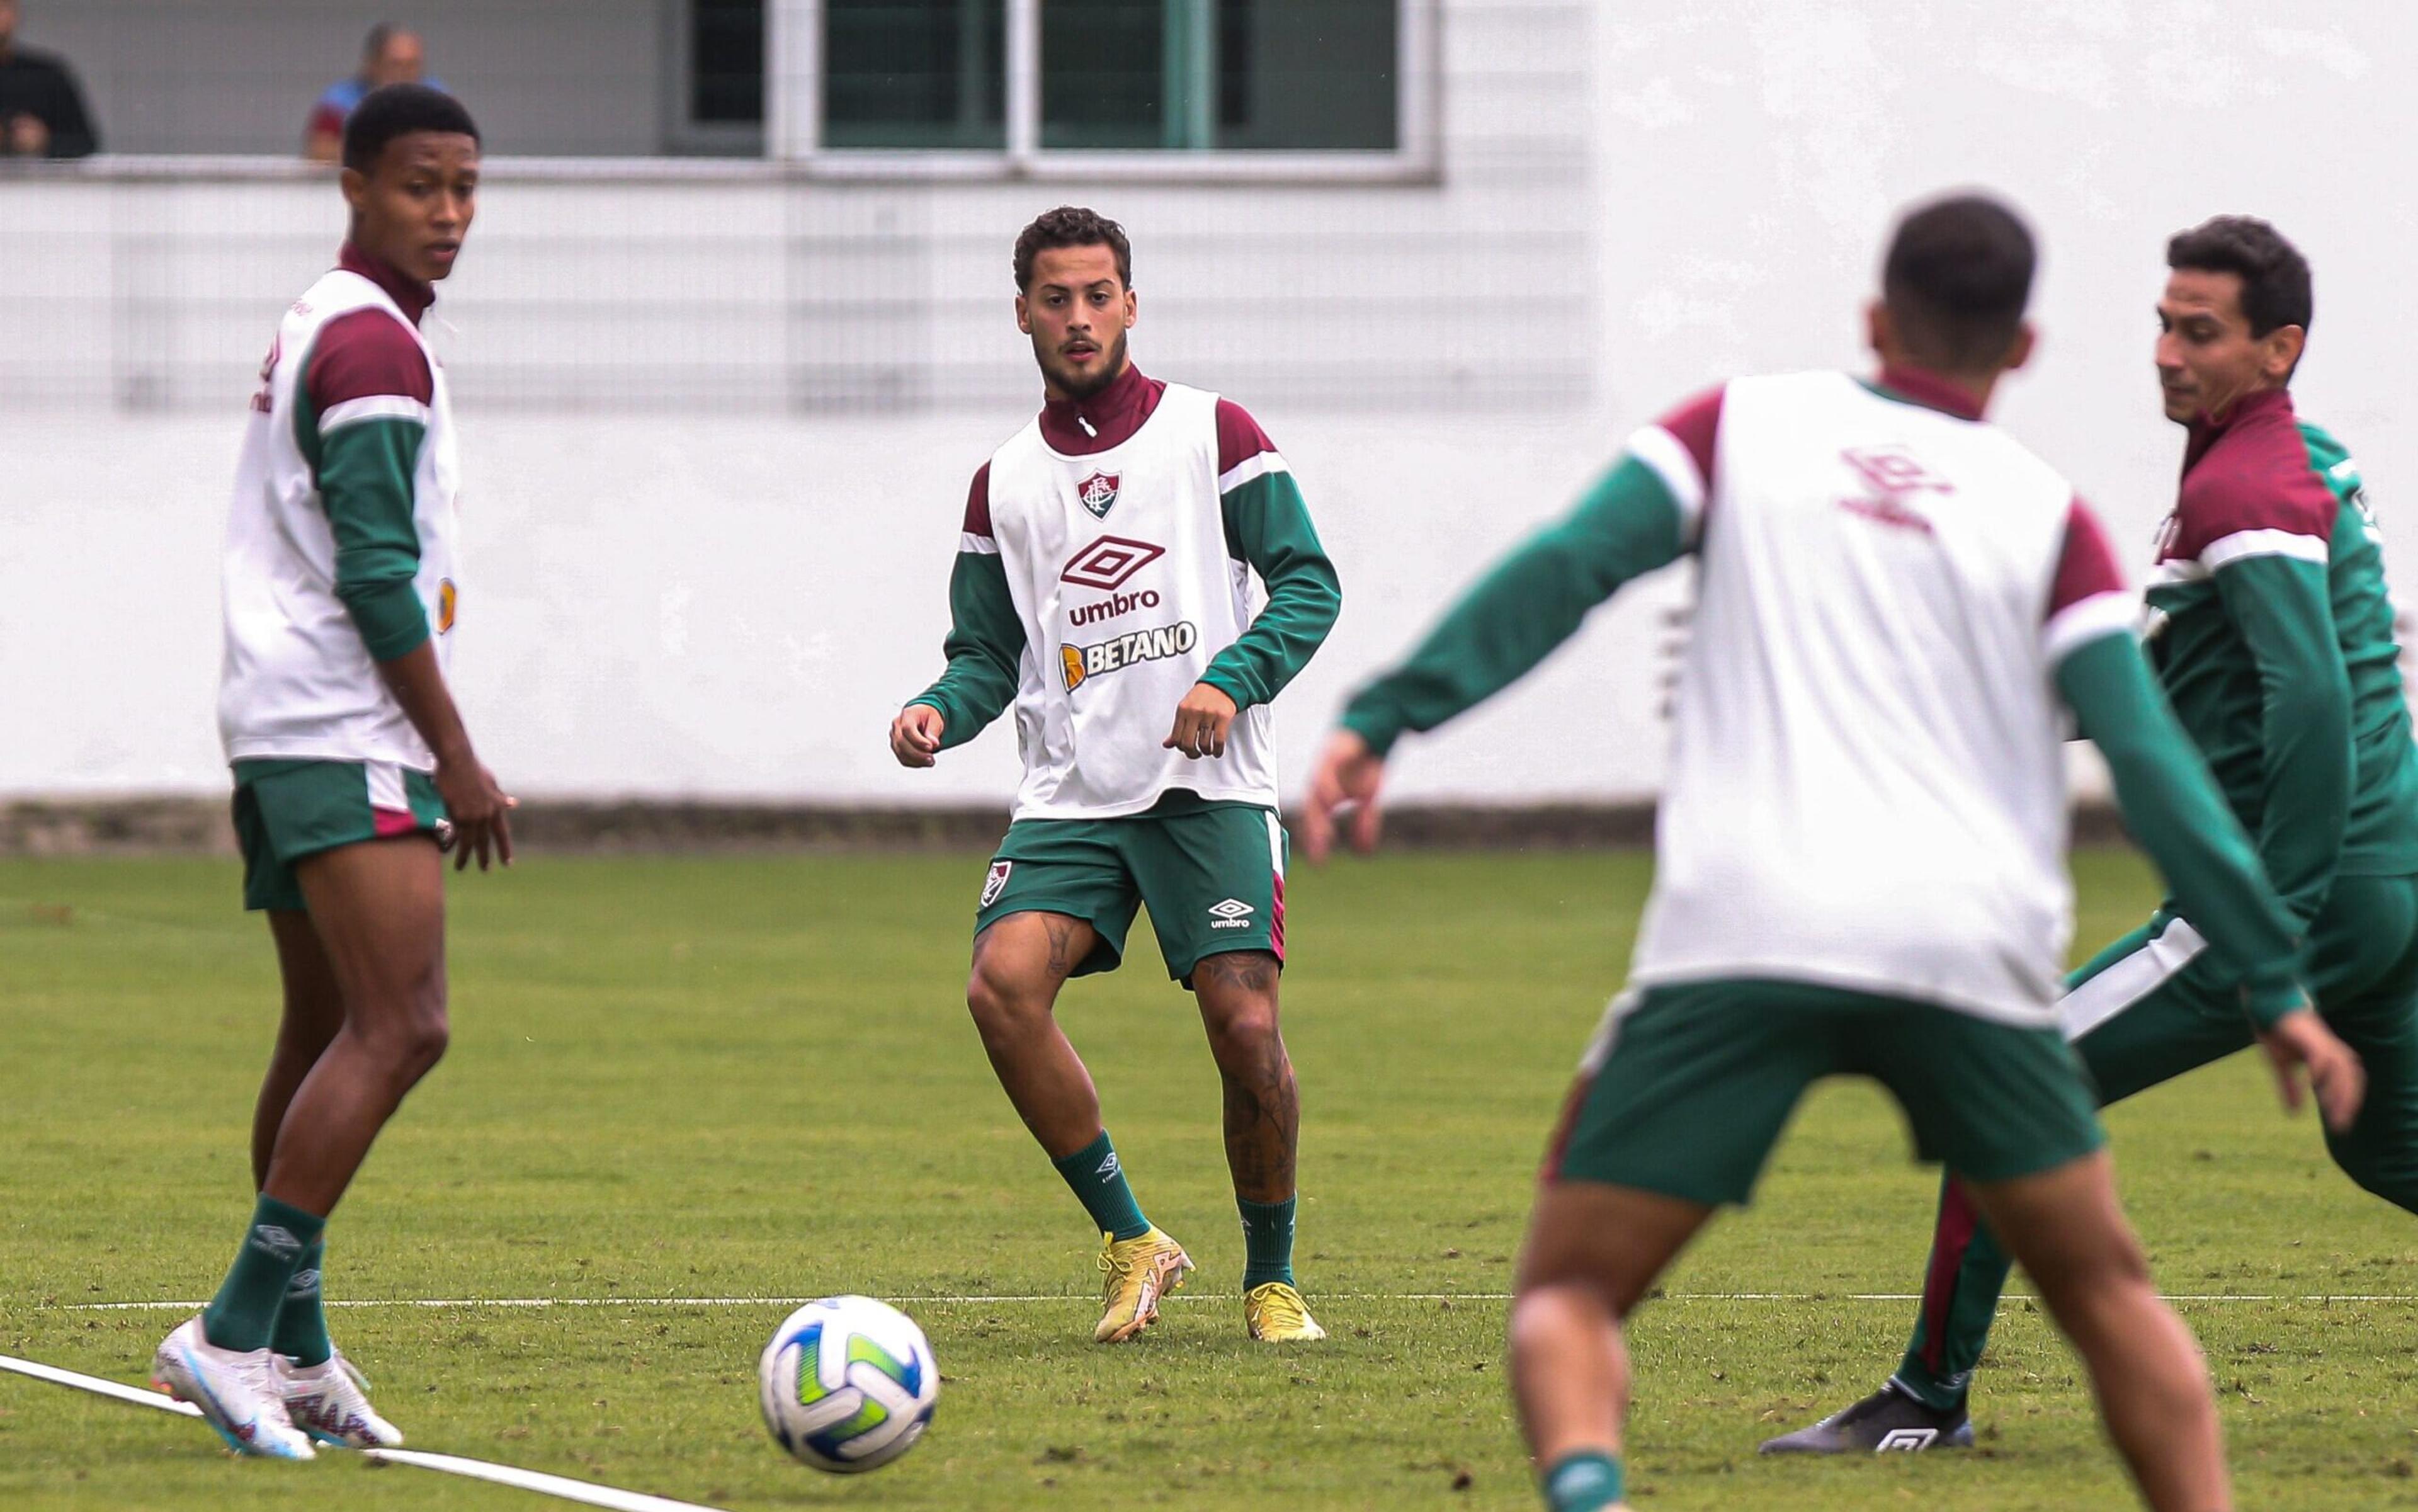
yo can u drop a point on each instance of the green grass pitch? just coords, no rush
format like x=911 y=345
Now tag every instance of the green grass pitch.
x=753 y=1077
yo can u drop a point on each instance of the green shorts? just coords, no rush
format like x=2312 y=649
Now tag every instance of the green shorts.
x=288 y=810
x=1693 y=1081
x=1212 y=880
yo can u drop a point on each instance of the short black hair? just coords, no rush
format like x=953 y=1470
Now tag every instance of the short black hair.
x=2275 y=288
x=1957 y=279
x=396 y=110
x=1071 y=225
x=373 y=45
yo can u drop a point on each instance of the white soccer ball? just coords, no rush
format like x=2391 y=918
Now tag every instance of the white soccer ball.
x=848 y=1384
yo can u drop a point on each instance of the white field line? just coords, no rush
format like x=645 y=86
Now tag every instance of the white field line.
x=1014 y=1299
x=527 y=1480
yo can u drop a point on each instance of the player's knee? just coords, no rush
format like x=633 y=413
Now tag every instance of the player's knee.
x=409 y=1042
x=1547 y=1313
x=1247 y=1036
x=420 y=1041
x=2098 y=1284
x=1002 y=1005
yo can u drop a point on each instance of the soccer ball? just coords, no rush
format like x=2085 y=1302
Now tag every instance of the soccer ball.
x=848 y=1384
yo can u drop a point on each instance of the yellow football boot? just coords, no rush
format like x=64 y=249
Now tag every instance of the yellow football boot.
x=1276 y=1315
x=1135 y=1274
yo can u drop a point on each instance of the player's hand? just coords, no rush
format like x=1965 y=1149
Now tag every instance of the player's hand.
x=2301 y=1039
x=1201 y=721
x=915 y=735
x=479 y=811
x=1349 y=775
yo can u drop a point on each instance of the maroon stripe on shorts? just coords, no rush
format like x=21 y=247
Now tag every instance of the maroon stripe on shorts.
x=1276 y=923
x=1566 y=1128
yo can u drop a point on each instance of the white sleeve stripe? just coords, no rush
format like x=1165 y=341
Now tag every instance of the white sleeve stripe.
x=1670 y=460
x=1248 y=468
x=2086 y=619
x=2246 y=544
x=376 y=406
x=979 y=545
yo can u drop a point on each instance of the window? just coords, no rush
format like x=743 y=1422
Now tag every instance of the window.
x=914 y=74
x=1331 y=87
x=717 y=84
x=727 y=62
x=1249 y=75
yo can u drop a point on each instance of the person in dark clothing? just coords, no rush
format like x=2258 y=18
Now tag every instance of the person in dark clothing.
x=41 y=110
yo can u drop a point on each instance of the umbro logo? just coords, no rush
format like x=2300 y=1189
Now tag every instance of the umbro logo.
x=1905 y=1440
x=1576 y=1479
x=1233 y=913
x=1108 y=563
x=1109 y=1168
x=303 y=1284
x=276 y=1240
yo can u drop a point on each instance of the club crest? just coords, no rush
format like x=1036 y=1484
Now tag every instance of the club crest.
x=1098 y=493
x=996 y=882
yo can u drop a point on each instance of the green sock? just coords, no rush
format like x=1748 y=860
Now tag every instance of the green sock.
x=1267 y=1242
x=1100 y=1184
x=300 y=1333
x=244 y=1313
x=1586 y=1481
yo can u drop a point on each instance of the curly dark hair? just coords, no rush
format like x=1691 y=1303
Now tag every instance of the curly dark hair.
x=398 y=110
x=1071 y=225
x=2275 y=276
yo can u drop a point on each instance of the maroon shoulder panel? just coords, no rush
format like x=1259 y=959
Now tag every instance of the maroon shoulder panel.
x=366 y=354
x=1696 y=424
x=2254 y=476
x=978 y=503
x=2087 y=564
x=1239 y=437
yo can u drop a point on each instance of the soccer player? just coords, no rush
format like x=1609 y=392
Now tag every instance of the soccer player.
x=352 y=767
x=1859 y=862
x=1103 y=585
x=2272 y=631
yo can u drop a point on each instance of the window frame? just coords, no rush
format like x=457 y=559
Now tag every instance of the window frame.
x=794 y=114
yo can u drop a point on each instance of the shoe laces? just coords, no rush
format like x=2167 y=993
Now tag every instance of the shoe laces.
x=1280 y=1304
x=1112 y=1270
x=255 y=1372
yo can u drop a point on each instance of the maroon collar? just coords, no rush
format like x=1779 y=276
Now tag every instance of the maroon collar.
x=1931 y=392
x=2249 y=406
x=1078 y=427
x=413 y=295
x=2208 y=430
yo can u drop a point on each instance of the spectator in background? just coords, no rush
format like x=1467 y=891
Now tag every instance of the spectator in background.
x=390 y=54
x=41 y=110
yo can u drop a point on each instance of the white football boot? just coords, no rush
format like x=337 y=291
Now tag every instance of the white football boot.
x=237 y=1391
x=330 y=1402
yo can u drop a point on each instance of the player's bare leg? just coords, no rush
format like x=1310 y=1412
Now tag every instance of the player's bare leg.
x=1592 y=1252
x=1237 y=992
x=2067 y=1231
x=380 y=913
x=324 y=1396
x=314 y=1011
x=1020 y=963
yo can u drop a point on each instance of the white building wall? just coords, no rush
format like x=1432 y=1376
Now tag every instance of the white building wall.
x=718 y=435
